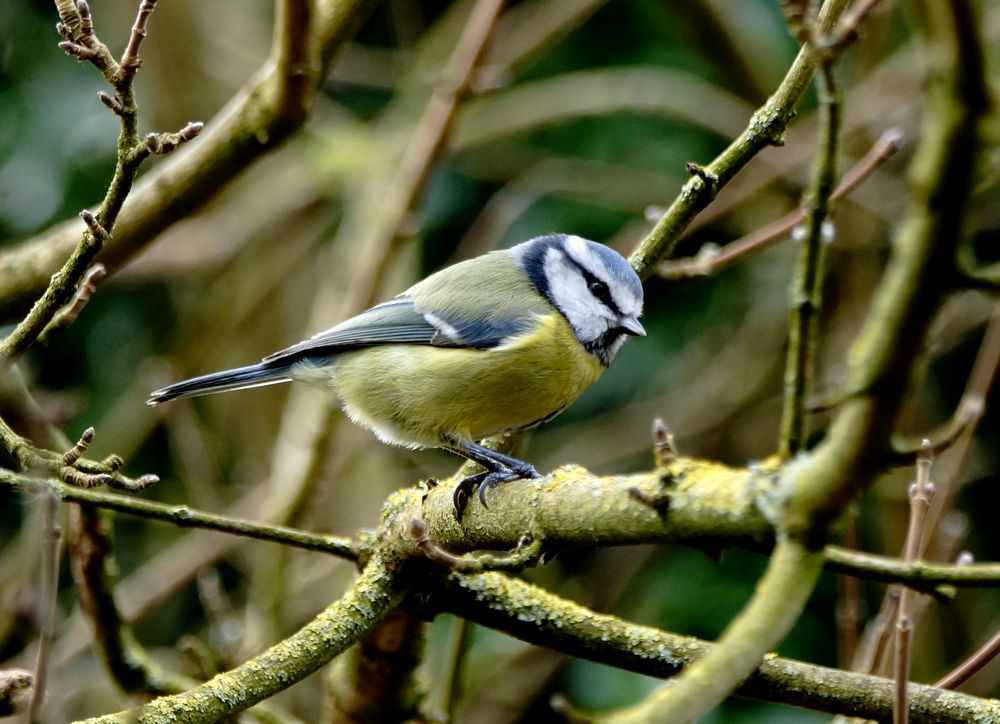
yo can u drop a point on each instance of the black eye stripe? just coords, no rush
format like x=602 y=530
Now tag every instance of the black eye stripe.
x=535 y=264
x=600 y=290
x=597 y=287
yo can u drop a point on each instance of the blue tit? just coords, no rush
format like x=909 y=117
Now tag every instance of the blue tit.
x=495 y=344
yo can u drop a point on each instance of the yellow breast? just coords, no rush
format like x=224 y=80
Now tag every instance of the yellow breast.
x=416 y=396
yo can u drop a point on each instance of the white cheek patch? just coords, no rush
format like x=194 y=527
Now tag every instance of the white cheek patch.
x=569 y=291
x=583 y=254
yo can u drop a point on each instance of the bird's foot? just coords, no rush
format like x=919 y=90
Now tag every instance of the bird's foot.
x=487 y=480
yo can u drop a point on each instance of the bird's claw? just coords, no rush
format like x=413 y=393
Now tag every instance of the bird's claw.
x=484 y=481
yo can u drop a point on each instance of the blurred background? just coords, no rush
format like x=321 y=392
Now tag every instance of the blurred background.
x=580 y=119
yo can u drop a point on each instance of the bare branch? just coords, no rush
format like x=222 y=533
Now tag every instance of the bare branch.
x=920 y=495
x=711 y=259
x=964 y=671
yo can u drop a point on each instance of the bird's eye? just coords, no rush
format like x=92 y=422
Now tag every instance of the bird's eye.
x=600 y=290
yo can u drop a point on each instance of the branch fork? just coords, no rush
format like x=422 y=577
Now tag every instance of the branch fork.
x=71 y=467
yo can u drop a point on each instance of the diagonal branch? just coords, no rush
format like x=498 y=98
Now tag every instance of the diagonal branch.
x=131 y=153
x=766 y=128
x=534 y=615
x=339 y=626
x=257 y=120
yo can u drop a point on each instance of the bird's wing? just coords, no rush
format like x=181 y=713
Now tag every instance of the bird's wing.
x=401 y=321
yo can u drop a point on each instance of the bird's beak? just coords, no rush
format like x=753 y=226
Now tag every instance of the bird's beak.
x=630 y=325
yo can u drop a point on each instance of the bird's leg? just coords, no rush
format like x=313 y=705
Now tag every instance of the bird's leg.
x=500 y=468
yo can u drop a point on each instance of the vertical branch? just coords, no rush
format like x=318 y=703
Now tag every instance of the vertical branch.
x=95 y=577
x=807 y=287
x=917 y=274
x=296 y=58
x=457 y=653
x=920 y=494
x=51 y=538
x=376 y=679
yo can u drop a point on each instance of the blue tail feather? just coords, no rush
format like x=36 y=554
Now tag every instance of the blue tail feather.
x=236 y=379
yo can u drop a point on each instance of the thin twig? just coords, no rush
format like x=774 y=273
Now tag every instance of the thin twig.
x=876 y=633
x=848 y=607
x=920 y=494
x=712 y=259
x=130 y=61
x=528 y=553
x=68 y=314
x=918 y=575
x=964 y=671
x=980 y=382
x=807 y=286
x=970 y=408
x=848 y=29
x=48 y=590
x=83 y=44
x=185 y=517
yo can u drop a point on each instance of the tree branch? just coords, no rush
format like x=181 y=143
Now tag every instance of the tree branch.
x=339 y=626
x=918 y=575
x=531 y=614
x=806 y=294
x=766 y=128
x=712 y=259
x=184 y=517
x=917 y=274
x=95 y=575
x=131 y=152
x=258 y=118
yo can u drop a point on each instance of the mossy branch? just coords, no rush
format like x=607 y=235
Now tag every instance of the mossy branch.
x=920 y=269
x=687 y=500
x=258 y=118
x=766 y=128
x=340 y=625
x=697 y=513
x=81 y=42
x=529 y=613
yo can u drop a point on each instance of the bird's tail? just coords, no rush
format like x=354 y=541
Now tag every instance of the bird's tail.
x=240 y=378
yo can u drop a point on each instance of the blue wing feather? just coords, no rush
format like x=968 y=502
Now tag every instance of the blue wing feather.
x=400 y=321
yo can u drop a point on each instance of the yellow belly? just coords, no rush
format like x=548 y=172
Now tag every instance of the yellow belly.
x=417 y=396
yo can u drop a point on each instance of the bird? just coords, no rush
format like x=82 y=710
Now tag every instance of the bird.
x=491 y=345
